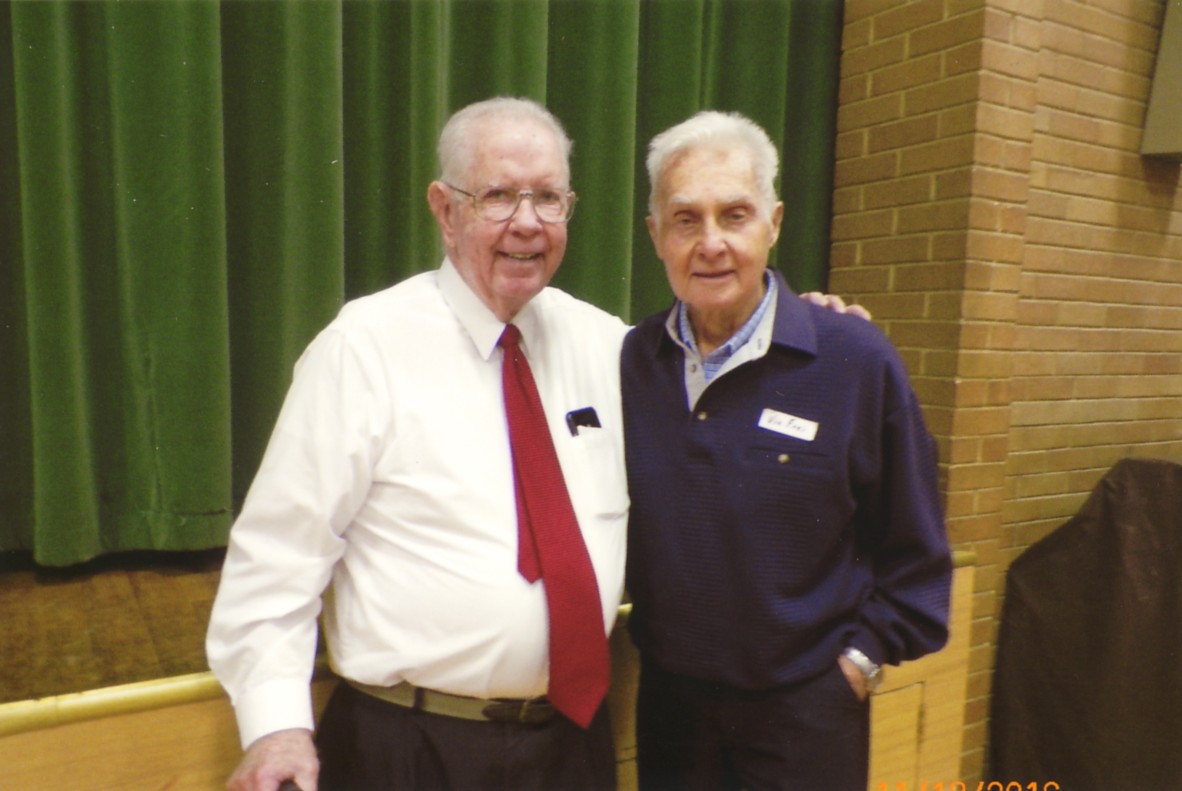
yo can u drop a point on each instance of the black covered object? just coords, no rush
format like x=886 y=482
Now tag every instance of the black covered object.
x=1088 y=688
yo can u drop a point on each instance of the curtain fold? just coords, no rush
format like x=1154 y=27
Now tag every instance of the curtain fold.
x=284 y=186
x=190 y=190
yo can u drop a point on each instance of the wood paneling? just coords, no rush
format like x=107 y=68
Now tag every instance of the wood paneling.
x=179 y=734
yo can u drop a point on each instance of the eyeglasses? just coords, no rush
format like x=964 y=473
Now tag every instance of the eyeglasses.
x=497 y=204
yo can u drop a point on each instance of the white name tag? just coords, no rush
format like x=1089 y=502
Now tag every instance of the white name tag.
x=788 y=425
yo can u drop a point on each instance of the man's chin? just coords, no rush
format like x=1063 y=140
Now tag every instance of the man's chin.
x=512 y=293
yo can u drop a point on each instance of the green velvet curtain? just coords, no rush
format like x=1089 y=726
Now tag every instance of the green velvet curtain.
x=190 y=189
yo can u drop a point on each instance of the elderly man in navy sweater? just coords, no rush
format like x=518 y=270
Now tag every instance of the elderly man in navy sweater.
x=786 y=538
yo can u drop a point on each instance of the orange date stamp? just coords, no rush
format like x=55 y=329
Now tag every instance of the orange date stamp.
x=960 y=785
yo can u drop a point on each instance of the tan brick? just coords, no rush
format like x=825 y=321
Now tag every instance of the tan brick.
x=936 y=216
x=862 y=10
x=927 y=277
x=1026 y=32
x=1005 y=122
x=854 y=88
x=888 y=306
x=904 y=132
x=863 y=225
x=875 y=110
x=934 y=362
x=962 y=59
x=985 y=363
x=949 y=248
x=993 y=307
x=940 y=155
x=992 y=151
x=865 y=169
x=847 y=200
x=1098 y=22
x=949 y=92
x=872 y=56
x=998 y=25
x=1010 y=60
x=854 y=34
x=895 y=250
x=1004 y=248
x=936 y=392
x=899 y=192
x=943 y=307
x=853 y=281
x=953 y=183
x=956 y=121
x=842 y=256
x=1082 y=71
x=946 y=34
x=907 y=74
x=907 y=17
x=1022 y=95
x=1058 y=37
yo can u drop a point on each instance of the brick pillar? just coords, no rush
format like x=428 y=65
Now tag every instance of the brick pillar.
x=935 y=129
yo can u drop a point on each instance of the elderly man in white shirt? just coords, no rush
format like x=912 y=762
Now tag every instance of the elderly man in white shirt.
x=388 y=485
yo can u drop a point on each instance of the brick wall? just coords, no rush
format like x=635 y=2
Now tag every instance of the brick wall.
x=991 y=209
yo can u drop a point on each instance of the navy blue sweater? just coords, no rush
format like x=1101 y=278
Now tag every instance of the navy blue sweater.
x=755 y=555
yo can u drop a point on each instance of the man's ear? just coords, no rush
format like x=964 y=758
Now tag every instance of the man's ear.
x=439 y=199
x=777 y=219
x=651 y=222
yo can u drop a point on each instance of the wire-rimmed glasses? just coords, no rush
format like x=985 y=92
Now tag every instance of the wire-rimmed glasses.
x=497 y=204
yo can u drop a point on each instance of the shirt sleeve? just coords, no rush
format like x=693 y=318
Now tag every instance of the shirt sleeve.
x=286 y=541
x=906 y=614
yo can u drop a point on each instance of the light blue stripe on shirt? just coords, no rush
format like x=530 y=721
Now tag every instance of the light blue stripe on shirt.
x=714 y=361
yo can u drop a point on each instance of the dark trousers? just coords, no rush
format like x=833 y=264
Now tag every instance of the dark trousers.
x=697 y=736
x=366 y=744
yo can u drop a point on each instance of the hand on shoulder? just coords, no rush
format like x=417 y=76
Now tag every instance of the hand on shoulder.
x=836 y=304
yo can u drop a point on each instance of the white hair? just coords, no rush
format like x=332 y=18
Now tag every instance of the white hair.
x=458 y=139
x=722 y=131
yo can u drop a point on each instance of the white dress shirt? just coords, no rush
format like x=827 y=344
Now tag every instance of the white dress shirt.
x=387 y=485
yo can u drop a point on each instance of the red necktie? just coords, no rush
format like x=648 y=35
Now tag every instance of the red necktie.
x=550 y=546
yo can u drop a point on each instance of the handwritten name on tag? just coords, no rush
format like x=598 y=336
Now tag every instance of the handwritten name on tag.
x=788 y=425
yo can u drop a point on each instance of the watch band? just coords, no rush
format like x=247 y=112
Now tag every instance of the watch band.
x=870 y=670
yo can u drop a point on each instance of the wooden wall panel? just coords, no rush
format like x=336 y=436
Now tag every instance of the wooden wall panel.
x=179 y=734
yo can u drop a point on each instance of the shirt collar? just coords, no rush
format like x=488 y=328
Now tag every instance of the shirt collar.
x=739 y=339
x=481 y=324
x=792 y=324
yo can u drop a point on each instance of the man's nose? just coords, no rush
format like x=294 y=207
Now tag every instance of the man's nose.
x=712 y=241
x=525 y=216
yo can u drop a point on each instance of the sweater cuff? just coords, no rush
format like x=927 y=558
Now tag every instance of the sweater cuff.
x=869 y=644
x=274 y=706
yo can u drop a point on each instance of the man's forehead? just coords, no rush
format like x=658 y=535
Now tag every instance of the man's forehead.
x=501 y=149
x=729 y=198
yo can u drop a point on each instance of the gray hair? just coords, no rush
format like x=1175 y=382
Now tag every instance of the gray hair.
x=459 y=135
x=723 y=131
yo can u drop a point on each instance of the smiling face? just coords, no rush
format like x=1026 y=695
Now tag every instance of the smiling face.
x=714 y=231
x=505 y=263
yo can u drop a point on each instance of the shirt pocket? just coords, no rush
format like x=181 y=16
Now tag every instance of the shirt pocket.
x=792 y=478
x=593 y=464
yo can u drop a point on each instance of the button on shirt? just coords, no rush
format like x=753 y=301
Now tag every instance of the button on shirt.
x=388 y=481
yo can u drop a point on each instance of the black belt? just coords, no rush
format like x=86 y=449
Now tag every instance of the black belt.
x=525 y=711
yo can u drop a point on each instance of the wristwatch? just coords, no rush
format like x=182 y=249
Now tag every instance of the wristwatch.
x=870 y=670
